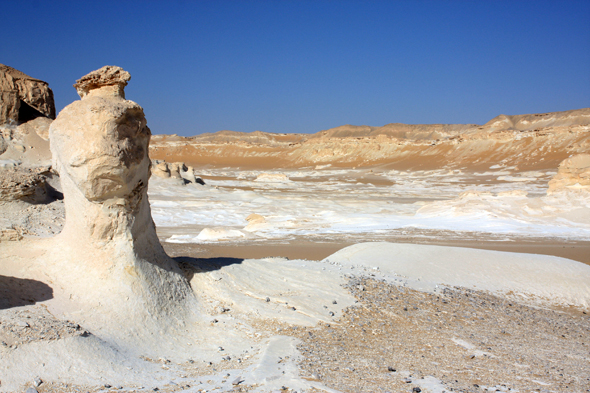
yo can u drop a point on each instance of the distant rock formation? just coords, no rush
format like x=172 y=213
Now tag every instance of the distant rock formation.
x=573 y=174
x=175 y=170
x=23 y=98
x=100 y=149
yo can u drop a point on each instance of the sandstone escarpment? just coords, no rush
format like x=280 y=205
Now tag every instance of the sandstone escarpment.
x=23 y=98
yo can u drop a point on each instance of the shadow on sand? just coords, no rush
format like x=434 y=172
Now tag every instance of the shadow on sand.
x=16 y=292
x=191 y=266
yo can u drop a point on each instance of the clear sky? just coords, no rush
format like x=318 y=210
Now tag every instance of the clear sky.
x=304 y=66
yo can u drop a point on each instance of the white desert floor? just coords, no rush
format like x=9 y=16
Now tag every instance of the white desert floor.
x=238 y=296
x=364 y=205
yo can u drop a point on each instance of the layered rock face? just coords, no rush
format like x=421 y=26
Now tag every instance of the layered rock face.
x=23 y=98
x=100 y=149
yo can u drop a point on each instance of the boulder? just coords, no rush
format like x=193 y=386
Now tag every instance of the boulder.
x=23 y=98
x=573 y=175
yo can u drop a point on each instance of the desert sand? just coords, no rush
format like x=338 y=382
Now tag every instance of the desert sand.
x=401 y=258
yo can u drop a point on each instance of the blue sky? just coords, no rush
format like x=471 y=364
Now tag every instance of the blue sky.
x=303 y=66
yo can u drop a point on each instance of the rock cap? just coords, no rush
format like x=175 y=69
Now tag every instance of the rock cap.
x=106 y=76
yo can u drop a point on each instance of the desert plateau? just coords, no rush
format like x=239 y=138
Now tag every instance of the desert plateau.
x=394 y=258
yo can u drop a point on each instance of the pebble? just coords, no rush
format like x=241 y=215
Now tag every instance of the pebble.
x=417 y=390
x=331 y=313
x=237 y=381
x=31 y=390
x=267 y=299
x=391 y=369
x=37 y=381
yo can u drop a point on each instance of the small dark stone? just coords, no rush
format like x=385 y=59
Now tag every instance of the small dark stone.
x=334 y=302
x=267 y=299
x=417 y=390
x=391 y=369
x=331 y=313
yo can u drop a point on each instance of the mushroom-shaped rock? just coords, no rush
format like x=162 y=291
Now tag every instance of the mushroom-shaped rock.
x=117 y=266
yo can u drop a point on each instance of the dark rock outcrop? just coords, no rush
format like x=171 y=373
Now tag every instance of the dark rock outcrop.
x=23 y=98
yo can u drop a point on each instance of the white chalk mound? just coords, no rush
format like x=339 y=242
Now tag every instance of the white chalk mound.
x=272 y=178
x=536 y=279
x=213 y=234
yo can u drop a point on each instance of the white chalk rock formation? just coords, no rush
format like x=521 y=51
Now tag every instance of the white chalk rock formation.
x=255 y=222
x=175 y=170
x=272 y=178
x=160 y=169
x=216 y=234
x=573 y=175
x=109 y=252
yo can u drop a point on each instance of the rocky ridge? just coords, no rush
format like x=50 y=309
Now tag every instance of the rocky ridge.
x=527 y=141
